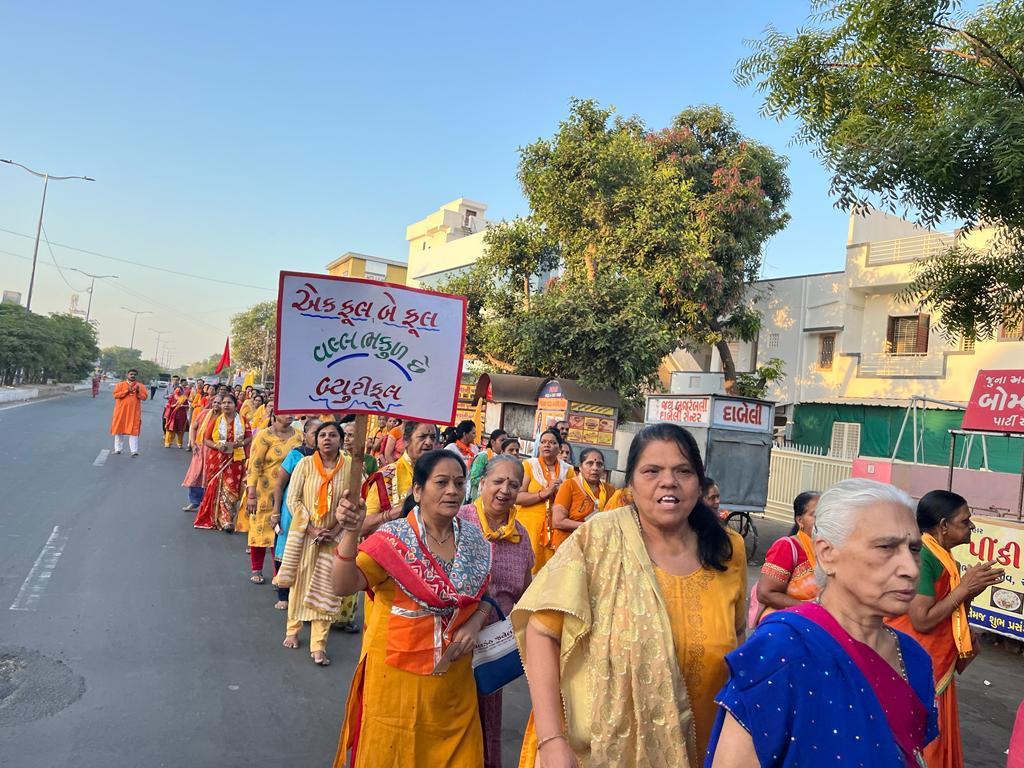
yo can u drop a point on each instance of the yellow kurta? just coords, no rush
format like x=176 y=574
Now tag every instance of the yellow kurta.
x=704 y=609
x=265 y=457
x=631 y=635
x=534 y=518
x=408 y=719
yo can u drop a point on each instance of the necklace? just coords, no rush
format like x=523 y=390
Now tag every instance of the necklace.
x=899 y=653
x=437 y=540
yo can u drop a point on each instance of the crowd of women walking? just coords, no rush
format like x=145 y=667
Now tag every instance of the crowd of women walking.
x=642 y=643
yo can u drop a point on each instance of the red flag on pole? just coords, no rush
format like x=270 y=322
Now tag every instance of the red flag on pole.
x=225 y=359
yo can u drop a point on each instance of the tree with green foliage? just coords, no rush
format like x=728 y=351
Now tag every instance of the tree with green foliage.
x=201 y=368
x=756 y=383
x=119 y=360
x=917 y=105
x=35 y=349
x=253 y=337
x=670 y=223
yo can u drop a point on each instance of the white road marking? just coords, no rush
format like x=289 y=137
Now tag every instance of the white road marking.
x=101 y=458
x=32 y=589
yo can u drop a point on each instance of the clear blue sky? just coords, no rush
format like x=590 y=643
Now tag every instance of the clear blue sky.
x=237 y=139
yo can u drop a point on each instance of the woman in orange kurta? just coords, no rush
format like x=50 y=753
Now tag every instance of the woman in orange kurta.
x=580 y=497
x=413 y=698
x=937 y=618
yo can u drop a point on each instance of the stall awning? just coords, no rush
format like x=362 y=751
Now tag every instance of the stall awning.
x=509 y=388
x=892 y=402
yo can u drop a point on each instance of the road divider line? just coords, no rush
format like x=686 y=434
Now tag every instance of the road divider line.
x=38 y=578
x=101 y=458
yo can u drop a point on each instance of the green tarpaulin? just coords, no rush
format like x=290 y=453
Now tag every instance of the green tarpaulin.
x=880 y=426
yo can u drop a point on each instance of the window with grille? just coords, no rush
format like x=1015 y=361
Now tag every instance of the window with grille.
x=845 y=439
x=826 y=351
x=966 y=344
x=907 y=335
x=773 y=340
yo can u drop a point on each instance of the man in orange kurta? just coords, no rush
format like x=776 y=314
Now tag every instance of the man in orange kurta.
x=128 y=397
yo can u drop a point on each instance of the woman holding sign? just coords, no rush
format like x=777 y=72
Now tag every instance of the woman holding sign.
x=413 y=697
x=937 y=618
x=494 y=513
x=225 y=438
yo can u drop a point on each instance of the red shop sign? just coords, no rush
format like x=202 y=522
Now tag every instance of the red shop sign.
x=997 y=402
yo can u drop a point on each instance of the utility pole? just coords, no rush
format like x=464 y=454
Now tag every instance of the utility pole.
x=39 y=227
x=156 y=355
x=92 y=285
x=135 y=312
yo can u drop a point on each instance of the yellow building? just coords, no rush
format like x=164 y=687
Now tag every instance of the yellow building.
x=353 y=264
x=446 y=242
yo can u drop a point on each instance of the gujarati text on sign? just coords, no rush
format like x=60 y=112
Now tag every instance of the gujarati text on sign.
x=346 y=344
x=997 y=402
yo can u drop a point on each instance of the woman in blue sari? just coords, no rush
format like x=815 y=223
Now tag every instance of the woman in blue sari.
x=828 y=682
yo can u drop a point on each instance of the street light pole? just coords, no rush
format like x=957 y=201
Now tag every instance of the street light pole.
x=92 y=285
x=156 y=355
x=135 y=312
x=39 y=226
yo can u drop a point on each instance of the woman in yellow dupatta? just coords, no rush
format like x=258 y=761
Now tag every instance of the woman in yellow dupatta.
x=317 y=485
x=627 y=626
x=580 y=497
x=413 y=699
x=937 y=618
x=542 y=477
x=787 y=576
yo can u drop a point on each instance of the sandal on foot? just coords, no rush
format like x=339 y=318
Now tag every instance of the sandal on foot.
x=257 y=578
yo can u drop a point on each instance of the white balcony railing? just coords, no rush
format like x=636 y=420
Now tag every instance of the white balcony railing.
x=884 y=365
x=908 y=249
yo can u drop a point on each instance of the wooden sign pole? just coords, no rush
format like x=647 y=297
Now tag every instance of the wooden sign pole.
x=355 y=472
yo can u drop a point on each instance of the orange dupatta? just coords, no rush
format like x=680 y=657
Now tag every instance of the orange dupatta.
x=325 y=494
x=961 y=630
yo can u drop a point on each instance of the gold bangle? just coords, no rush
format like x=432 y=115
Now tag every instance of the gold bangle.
x=542 y=742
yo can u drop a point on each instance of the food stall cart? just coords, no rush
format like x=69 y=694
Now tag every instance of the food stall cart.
x=511 y=402
x=735 y=438
x=592 y=415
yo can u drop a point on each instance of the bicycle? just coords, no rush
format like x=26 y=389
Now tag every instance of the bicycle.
x=743 y=524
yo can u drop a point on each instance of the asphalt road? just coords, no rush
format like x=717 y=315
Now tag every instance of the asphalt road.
x=139 y=641
x=143 y=642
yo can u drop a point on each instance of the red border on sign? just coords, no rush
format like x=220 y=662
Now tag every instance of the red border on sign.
x=336 y=278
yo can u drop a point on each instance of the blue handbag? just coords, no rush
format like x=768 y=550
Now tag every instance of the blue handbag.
x=496 y=661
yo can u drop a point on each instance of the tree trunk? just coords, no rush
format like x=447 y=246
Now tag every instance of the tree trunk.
x=728 y=365
x=588 y=260
x=526 y=293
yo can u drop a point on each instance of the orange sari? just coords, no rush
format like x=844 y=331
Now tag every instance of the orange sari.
x=581 y=502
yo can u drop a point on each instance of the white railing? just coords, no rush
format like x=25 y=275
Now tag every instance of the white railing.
x=792 y=472
x=884 y=364
x=907 y=249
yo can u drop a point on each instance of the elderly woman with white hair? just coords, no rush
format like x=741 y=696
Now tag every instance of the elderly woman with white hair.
x=828 y=681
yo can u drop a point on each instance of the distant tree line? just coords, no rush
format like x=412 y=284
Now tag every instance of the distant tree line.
x=117 y=361
x=35 y=348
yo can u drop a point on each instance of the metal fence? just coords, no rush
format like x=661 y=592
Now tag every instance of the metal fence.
x=792 y=471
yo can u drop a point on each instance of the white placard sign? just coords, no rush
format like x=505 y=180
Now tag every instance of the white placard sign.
x=361 y=346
